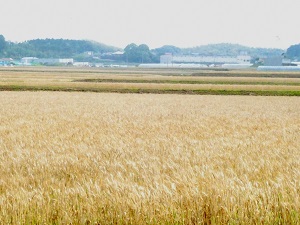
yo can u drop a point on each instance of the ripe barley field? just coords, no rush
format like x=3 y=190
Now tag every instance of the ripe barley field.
x=108 y=158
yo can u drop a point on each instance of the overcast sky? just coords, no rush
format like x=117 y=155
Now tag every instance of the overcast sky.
x=184 y=23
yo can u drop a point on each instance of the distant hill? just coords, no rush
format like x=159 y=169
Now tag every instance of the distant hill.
x=223 y=49
x=293 y=52
x=55 y=48
x=65 y=48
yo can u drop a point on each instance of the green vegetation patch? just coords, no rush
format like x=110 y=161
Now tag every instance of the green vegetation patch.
x=140 y=81
x=246 y=74
x=151 y=91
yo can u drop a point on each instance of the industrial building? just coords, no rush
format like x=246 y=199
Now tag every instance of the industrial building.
x=169 y=59
x=6 y=61
x=277 y=61
x=278 y=68
x=28 y=60
x=166 y=58
x=45 y=61
x=50 y=61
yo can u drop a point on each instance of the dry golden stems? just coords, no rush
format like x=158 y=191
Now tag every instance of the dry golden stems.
x=124 y=158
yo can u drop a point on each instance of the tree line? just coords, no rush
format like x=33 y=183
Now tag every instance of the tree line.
x=293 y=52
x=51 y=48
x=133 y=53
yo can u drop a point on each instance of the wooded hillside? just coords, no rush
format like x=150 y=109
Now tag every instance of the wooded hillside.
x=53 y=48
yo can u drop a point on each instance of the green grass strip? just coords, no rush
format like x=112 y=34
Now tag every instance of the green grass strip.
x=247 y=74
x=152 y=91
x=185 y=82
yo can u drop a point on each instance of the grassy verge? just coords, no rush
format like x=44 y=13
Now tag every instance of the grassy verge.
x=154 y=71
x=141 y=81
x=247 y=74
x=152 y=91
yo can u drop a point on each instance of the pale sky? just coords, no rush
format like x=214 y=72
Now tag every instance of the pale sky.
x=183 y=23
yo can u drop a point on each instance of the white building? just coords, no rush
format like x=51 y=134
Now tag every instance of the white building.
x=54 y=61
x=166 y=59
x=241 y=59
x=66 y=61
x=28 y=60
x=49 y=61
x=244 y=59
x=118 y=53
x=81 y=64
x=89 y=53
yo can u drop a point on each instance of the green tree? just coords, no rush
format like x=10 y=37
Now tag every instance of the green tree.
x=294 y=52
x=2 y=44
x=137 y=54
x=144 y=54
x=167 y=49
x=130 y=53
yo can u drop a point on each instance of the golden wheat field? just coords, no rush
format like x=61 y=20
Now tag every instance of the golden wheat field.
x=100 y=158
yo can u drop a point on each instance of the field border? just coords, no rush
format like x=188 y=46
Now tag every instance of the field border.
x=152 y=91
x=168 y=81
